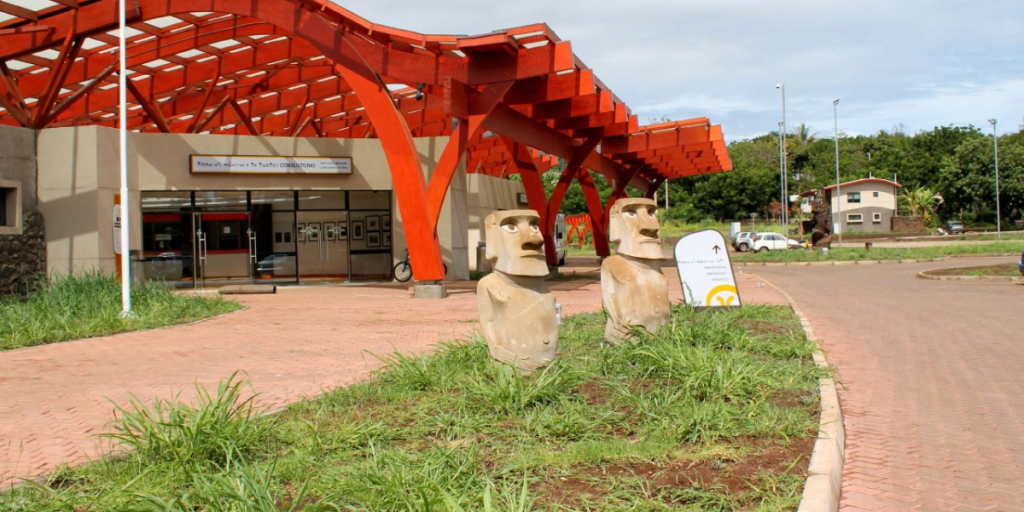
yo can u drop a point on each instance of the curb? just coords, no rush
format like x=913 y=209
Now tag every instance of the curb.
x=829 y=263
x=927 y=275
x=823 y=488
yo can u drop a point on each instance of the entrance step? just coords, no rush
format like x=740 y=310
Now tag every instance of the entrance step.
x=247 y=289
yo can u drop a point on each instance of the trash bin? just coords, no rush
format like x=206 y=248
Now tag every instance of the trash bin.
x=137 y=267
x=482 y=263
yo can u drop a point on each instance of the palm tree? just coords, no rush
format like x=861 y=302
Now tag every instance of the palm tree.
x=798 y=148
x=921 y=201
x=801 y=138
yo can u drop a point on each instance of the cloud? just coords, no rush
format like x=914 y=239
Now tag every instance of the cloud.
x=921 y=63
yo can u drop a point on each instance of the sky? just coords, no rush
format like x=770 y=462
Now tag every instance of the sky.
x=894 y=64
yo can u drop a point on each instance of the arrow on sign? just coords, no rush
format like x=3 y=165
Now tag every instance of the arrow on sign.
x=716 y=249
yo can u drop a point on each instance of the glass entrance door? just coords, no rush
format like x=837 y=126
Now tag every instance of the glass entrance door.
x=223 y=247
x=322 y=238
x=274 y=245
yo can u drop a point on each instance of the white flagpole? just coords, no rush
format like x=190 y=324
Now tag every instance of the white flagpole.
x=126 y=278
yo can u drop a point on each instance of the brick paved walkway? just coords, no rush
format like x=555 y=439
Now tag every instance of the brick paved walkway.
x=55 y=398
x=932 y=369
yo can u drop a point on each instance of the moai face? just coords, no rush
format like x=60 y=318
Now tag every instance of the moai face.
x=634 y=227
x=514 y=238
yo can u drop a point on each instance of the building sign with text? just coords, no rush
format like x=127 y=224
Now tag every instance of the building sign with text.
x=706 y=271
x=235 y=164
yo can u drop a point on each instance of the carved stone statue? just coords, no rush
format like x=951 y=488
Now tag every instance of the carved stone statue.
x=634 y=289
x=822 y=217
x=517 y=312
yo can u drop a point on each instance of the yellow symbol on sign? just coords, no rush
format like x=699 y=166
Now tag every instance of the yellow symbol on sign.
x=722 y=295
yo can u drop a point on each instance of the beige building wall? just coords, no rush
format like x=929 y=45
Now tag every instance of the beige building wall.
x=79 y=177
x=886 y=196
x=486 y=194
x=875 y=212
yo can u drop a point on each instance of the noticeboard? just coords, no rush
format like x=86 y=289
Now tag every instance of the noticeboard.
x=705 y=270
x=242 y=164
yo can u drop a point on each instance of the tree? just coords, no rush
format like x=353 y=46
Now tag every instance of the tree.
x=921 y=201
x=967 y=180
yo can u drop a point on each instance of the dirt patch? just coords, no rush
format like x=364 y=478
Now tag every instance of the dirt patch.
x=761 y=327
x=1003 y=269
x=789 y=399
x=730 y=476
x=596 y=392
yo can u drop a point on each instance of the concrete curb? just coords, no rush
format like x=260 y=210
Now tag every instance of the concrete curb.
x=927 y=274
x=828 y=263
x=824 y=485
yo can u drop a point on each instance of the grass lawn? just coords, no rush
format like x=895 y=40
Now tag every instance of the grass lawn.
x=716 y=413
x=88 y=305
x=882 y=253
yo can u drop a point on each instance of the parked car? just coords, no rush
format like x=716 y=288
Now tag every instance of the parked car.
x=277 y=264
x=772 y=242
x=954 y=227
x=743 y=241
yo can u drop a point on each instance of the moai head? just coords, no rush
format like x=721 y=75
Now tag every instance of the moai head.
x=514 y=239
x=635 y=228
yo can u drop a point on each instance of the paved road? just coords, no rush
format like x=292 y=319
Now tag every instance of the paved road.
x=932 y=374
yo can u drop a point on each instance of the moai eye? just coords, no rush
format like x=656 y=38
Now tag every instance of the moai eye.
x=510 y=228
x=534 y=227
x=629 y=214
x=653 y=212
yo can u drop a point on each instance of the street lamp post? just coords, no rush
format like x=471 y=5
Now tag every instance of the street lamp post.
x=839 y=206
x=995 y=147
x=785 y=179
x=782 y=178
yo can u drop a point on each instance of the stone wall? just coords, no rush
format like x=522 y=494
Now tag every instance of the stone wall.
x=908 y=224
x=23 y=257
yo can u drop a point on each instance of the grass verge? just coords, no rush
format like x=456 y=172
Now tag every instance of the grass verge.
x=883 y=253
x=89 y=304
x=1001 y=270
x=715 y=413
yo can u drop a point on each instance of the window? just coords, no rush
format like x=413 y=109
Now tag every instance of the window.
x=876 y=217
x=874 y=194
x=854 y=218
x=853 y=197
x=10 y=207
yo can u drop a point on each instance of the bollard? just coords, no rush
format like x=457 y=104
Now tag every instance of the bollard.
x=867 y=246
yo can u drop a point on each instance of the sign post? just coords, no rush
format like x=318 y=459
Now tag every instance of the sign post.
x=705 y=270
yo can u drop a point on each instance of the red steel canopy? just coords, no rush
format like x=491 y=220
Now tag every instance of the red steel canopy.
x=512 y=101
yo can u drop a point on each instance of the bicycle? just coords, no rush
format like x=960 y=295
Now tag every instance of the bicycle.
x=403 y=269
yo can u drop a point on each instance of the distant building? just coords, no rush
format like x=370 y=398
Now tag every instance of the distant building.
x=865 y=205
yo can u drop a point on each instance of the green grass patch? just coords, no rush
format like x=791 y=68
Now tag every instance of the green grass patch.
x=883 y=253
x=89 y=304
x=717 y=412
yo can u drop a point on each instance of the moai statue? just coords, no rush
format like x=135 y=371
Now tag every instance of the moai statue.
x=634 y=289
x=517 y=312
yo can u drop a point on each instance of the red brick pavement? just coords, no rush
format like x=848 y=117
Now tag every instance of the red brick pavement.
x=930 y=374
x=298 y=343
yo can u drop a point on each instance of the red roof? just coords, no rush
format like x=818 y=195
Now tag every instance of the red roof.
x=275 y=67
x=854 y=182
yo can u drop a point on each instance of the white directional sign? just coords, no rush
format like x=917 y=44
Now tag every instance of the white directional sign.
x=236 y=164
x=706 y=271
